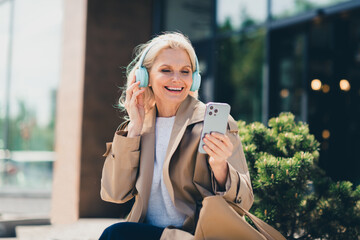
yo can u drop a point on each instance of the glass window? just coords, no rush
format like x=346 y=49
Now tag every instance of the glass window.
x=291 y=74
x=237 y=14
x=240 y=61
x=287 y=8
x=204 y=52
x=314 y=74
x=35 y=72
x=193 y=18
x=4 y=43
x=334 y=113
x=288 y=72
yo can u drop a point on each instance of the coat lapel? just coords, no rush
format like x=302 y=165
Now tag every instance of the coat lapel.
x=147 y=157
x=189 y=112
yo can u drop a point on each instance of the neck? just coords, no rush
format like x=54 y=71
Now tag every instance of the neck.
x=166 y=111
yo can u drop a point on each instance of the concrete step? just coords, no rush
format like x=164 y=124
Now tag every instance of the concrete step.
x=25 y=207
x=83 y=229
x=7 y=227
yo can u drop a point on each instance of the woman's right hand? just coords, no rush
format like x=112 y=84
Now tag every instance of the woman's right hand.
x=135 y=107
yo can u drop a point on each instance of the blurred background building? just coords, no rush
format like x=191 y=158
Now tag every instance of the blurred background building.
x=61 y=63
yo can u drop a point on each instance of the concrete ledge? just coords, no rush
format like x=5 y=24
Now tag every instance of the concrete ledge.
x=7 y=227
x=83 y=229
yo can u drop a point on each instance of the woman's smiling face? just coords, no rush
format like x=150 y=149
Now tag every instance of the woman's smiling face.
x=170 y=79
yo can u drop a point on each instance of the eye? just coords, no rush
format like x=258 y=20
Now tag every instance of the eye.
x=165 y=70
x=185 y=71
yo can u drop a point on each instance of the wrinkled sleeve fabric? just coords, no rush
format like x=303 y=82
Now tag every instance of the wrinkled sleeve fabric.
x=238 y=187
x=120 y=168
x=216 y=187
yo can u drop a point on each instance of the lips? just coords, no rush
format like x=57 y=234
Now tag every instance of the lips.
x=174 y=89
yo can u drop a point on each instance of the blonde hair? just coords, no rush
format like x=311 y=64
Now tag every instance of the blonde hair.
x=173 y=40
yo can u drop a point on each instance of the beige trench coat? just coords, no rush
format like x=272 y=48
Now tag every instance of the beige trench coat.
x=129 y=164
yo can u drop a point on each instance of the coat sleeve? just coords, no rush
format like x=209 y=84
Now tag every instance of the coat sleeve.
x=238 y=185
x=120 y=168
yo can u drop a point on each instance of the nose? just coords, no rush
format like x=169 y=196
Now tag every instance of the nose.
x=176 y=76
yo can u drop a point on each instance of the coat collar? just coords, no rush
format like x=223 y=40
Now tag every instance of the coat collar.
x=190 y=111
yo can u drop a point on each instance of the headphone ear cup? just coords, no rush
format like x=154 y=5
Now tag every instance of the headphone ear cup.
x=142 y=75
x=196 y=81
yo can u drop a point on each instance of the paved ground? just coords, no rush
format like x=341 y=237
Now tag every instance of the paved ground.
x=23 y=208
x=15 y=207
x=35 y=209
x=83 y=229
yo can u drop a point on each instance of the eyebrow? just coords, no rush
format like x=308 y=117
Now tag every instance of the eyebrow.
x=166 y=65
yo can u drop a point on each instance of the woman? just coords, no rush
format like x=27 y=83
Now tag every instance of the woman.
x=154 y=155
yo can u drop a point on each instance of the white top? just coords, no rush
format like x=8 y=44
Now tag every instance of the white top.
x=161 y=210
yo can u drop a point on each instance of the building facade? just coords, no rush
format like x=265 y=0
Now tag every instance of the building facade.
x=61 y=66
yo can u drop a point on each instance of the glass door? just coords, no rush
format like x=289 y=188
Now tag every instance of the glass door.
x=30 y=43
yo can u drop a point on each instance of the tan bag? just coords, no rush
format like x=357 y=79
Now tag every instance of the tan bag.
x=222 y=220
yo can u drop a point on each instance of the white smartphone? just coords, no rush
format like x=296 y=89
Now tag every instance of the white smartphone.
x=216 y=118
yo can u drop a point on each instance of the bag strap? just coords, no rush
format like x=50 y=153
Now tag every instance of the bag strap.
x=268 y=231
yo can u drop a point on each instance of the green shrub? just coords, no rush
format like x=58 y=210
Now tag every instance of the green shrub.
x=291 y=192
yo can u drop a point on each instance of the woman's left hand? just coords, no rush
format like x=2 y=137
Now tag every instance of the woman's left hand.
x=219 y=148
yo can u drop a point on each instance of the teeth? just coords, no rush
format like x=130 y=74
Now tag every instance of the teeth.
x=174 y=88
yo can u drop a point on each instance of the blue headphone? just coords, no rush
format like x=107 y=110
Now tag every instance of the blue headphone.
x=142 y=74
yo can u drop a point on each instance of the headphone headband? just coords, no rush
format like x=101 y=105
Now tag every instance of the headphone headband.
x=143 y=55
